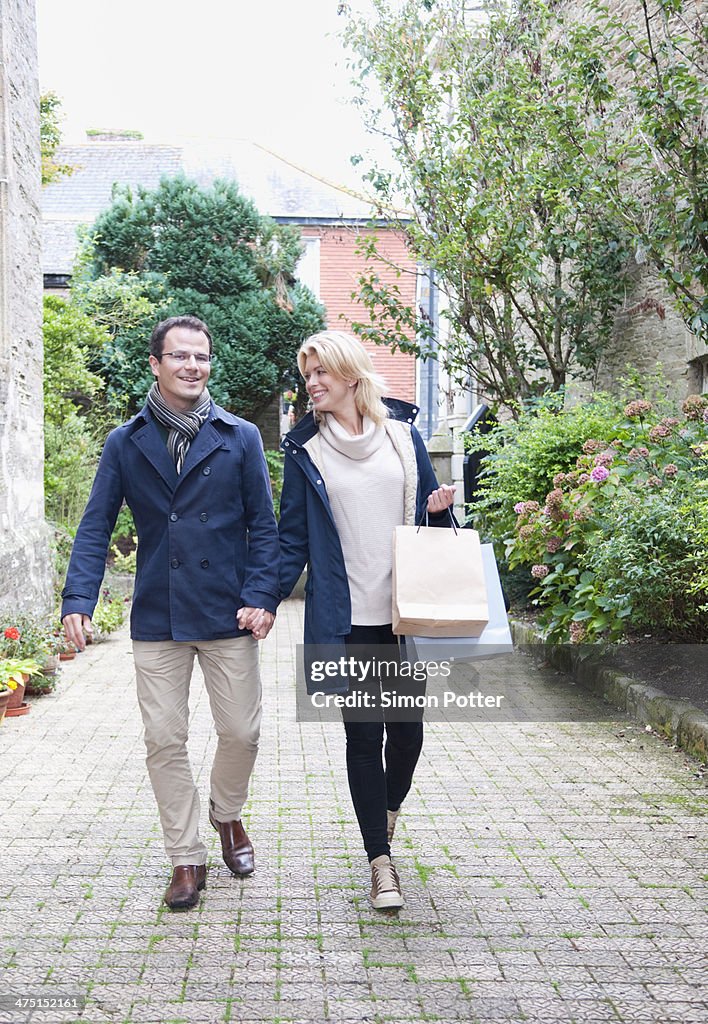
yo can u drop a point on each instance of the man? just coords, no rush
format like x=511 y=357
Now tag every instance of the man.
x=195 y=479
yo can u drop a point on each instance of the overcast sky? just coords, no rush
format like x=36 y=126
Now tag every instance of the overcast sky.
x=271 y=71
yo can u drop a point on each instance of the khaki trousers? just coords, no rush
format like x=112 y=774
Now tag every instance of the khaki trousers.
x=232 y=679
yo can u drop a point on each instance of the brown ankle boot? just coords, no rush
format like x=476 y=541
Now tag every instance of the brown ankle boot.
x=236 y=847
x=183 y=891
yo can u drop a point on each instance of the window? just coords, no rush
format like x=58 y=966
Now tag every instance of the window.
x=307 y=270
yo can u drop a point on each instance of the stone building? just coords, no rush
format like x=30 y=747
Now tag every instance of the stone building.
x=25 y=574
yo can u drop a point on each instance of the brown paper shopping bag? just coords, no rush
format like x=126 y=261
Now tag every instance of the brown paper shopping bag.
x=439 y=585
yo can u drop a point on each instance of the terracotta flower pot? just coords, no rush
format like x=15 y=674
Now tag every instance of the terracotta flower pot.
x=17 y=696
x=4 y=700
x=23 y=709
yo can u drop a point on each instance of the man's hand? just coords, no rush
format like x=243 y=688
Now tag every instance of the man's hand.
x=258 y=620
x=77 y=628
x=441 y=498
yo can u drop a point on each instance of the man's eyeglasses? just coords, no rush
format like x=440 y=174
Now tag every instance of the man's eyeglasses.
x=184 y=357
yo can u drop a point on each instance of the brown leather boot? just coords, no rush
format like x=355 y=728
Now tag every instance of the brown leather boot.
x=236 y=847
x=183 y=891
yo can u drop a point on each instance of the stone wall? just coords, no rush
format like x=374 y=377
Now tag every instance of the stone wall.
x=25 y=564
x=643 y=339
x=652 y=336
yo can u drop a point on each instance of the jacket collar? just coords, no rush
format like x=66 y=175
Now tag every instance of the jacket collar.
x=215 y=413
x=150 y=442
x=306 y=428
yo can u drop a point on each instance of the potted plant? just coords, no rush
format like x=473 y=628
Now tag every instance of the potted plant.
x=14 y=673
x=29 y=638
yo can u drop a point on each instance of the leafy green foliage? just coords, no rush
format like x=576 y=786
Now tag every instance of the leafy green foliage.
x=70 y=339
x=525 y=455
x=70 y=447
x=71 y=454
x=614 y=542
x=184 y=249
x=109 y=614
x=50 y=138
x=486 y=122
x=274 y=459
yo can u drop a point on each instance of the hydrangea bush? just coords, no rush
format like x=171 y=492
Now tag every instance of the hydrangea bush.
x=616 y=540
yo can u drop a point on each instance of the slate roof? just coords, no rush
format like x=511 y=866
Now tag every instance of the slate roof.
x=277 y=187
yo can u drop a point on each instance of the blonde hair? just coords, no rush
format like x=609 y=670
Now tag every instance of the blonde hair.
x=345 y=357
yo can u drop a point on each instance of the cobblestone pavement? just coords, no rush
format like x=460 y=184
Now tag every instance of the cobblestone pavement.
x=552 y=871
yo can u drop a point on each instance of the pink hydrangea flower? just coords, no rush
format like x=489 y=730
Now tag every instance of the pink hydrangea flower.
x=637 y=408
x=539 y=572
x=671 y=469
x=695 y=406
x=577 y=632
x=599 y=474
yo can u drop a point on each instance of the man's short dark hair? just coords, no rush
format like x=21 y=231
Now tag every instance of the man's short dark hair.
x=193 y=323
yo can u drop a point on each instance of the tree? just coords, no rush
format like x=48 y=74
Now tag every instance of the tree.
x=659 y=61
x=184 y=249
x=50 y=138
x=485 y=121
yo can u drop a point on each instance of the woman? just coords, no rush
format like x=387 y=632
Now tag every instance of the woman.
x=356 y=467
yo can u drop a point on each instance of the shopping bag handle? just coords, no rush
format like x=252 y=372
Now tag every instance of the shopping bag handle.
x=425 y=518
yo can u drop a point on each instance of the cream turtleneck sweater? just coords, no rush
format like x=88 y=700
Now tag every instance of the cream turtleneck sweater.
x=365 y=483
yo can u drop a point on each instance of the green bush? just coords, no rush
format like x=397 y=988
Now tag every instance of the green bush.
x=615 y=542
x=70 y=338
x=71 y=458
x=274 y=460
x=109 y=614
x=647 y=566
x=526 y=454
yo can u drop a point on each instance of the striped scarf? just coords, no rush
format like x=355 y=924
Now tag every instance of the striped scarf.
x=182 y=427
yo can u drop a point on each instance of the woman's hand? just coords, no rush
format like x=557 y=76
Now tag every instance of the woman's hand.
x=441 y=498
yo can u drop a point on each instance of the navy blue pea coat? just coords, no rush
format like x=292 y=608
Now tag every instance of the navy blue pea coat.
x=308 y=535
x=207 y=539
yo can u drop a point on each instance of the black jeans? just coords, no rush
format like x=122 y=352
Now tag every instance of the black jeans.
x=375 y=789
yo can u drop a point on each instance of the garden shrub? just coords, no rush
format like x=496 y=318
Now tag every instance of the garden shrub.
x=274 y=460
x=615 y=540
x=71 y=458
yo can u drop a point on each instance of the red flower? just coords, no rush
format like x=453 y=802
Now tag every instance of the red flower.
x=12 y=633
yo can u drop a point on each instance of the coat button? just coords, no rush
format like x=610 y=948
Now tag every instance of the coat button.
x=204 y=563
x=175 y=563
x=207 y=470
x=173 y=517
x=203 y=517
x=319 y=481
